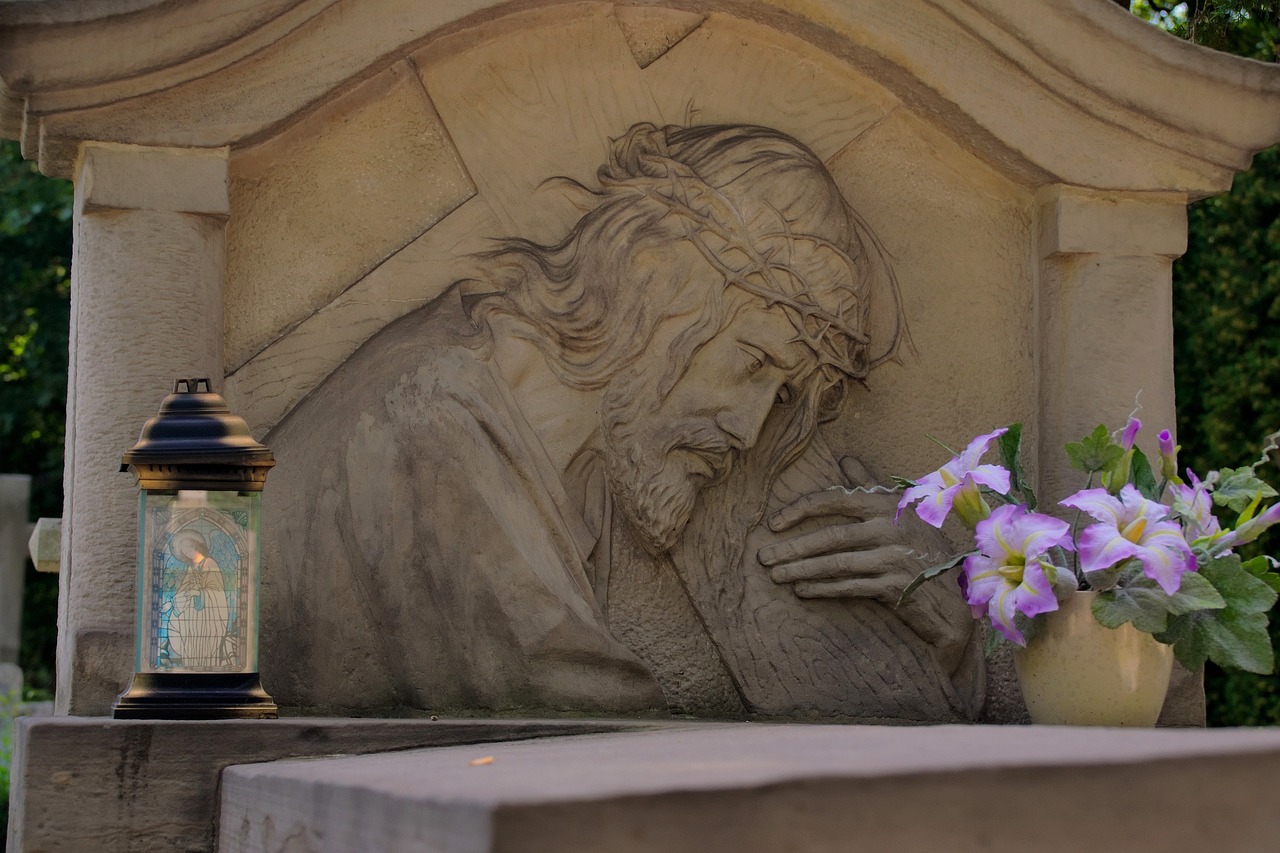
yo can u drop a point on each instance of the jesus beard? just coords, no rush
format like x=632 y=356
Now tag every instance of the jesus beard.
x=656 y=469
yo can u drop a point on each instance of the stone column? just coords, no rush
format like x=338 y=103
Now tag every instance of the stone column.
x=1106 y=319
x=15 y=494
x=1106 y=262
x=146 y=308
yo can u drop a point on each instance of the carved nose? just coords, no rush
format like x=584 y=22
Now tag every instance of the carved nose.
x=742 y=424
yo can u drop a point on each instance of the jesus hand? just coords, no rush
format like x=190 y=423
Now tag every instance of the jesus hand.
x=844 y=543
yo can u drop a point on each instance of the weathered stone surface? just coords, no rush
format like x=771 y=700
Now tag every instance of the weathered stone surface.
x=1014 y=162
x=146 y=308
x=115 y=786
x=755 y=788
x=320 y=205
x=682 y=338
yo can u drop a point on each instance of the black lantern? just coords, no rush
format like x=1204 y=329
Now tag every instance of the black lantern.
x=200 y=477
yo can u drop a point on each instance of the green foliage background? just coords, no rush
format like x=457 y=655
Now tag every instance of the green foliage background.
x=35 y=288
x=1227 y=345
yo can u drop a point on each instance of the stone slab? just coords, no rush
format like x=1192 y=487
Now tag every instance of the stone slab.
x=756 y=787
x=111 y=786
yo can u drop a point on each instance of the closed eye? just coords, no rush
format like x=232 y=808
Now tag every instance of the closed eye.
x=754 y=358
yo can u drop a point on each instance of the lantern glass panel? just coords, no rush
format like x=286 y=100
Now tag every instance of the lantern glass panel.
x=198 y=581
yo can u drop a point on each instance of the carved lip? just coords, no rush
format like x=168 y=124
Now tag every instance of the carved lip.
x=717 y=461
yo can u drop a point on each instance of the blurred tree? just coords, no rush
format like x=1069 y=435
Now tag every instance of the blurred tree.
x=35 y=263
x=1243 y=27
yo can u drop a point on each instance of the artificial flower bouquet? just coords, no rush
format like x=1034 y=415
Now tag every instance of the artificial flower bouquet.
x=1147 y=542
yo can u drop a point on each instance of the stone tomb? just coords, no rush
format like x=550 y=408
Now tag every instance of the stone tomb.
x=563 y=317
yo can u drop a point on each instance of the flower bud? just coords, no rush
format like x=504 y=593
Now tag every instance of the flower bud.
x=1168 y=457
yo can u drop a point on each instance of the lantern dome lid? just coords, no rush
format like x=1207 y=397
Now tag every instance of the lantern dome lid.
x=194 y=437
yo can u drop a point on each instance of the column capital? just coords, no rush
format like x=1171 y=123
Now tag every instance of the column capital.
x=139 y=177
x=1074 y=220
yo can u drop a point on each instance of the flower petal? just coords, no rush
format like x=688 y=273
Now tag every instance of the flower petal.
x=1102 y=546
x=1038 y=533
x=1165 y=557
x=1097 y=503
x=1138 y=506
x=970 y=455
x=1001 y=610
x=994 y=477
x=929 y=484
x=933 y=510
x=1130 y=433
x=981 y=580
x=1254 y=527
x=1035 y=594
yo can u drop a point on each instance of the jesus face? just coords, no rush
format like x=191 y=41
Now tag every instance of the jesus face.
x=662 y=450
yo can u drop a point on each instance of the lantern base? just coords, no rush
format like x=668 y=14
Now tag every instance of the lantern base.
x=195 y=696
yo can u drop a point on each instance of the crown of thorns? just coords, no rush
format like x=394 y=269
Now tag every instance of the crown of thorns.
x=759 y=254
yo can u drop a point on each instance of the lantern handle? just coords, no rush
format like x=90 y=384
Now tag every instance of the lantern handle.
x=193 y=386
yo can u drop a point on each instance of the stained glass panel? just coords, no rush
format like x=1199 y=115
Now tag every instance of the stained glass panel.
x=198 y=582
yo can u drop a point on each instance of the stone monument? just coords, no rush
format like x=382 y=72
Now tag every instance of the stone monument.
x=583 y=332
x=550 y=309
x=548 y=488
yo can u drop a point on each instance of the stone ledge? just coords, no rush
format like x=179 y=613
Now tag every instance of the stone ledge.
x=102 y=785
x=752 y=787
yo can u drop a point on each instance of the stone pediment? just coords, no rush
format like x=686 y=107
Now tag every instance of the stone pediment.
x=1075 y=92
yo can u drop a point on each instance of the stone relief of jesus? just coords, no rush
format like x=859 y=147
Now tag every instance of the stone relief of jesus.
x=593 y=478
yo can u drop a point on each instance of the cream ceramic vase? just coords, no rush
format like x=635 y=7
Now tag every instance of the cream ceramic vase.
x=1076 y=672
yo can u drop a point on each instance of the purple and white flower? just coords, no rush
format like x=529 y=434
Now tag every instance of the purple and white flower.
x=1132 y=527
x=1249 y=530
x=1130 y=433
x=958 y=485
x=1194 y=505
x=1168 y=456
x=1012 y=573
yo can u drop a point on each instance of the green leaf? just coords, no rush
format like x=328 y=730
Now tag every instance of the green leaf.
x=1190 y=640
x=1105 y=579
x=1195 y=593
x=932 y=572
x=1241 y=590
x=1010 y=445
x=1094 y=452
x=1142 y=602
x=993 y=641
x=903 y=482
x=1141 y=475
x=1227 y=637
x=1233 y=636
x=1239 y=487
x=1028 y=626
x=1260 y=567
x=1145 y=608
